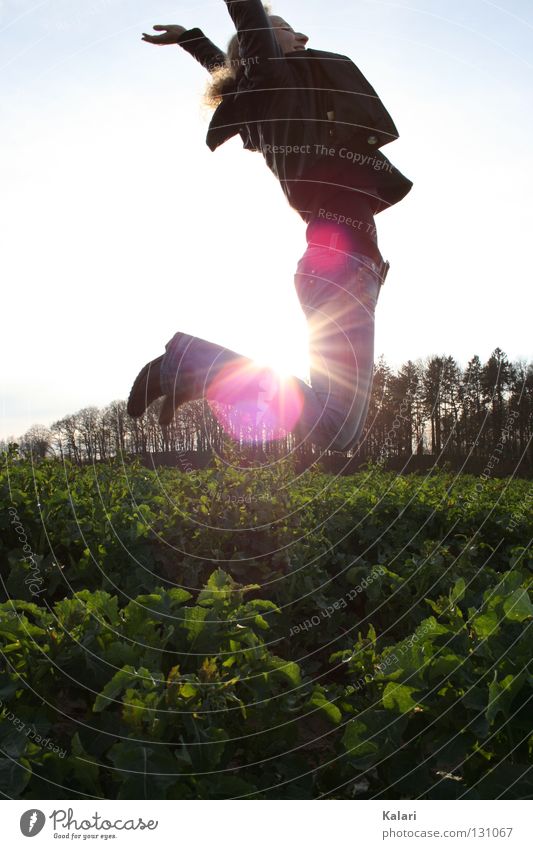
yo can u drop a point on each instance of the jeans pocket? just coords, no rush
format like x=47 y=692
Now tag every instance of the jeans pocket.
x=304 y=277
x=362 y=264
x=366 y=289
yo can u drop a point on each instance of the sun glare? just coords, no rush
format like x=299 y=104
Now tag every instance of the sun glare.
x=288 y=358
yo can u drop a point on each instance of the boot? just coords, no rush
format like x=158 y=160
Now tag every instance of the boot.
x=145 y=389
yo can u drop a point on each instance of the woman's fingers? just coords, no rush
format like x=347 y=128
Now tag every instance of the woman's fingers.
x=155 y=39
x=169 y=34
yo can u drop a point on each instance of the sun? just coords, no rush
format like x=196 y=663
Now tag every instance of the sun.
x=287 y=357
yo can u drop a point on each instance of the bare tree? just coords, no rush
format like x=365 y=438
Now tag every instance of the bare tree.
x=66 y=438
x=88 y=427
x=37 y=442
x=425 y=405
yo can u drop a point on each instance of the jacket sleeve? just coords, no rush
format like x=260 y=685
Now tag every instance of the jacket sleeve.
x=204 y=51
x=259 y=50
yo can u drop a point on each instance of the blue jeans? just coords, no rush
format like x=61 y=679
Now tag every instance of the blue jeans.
x=338 y=294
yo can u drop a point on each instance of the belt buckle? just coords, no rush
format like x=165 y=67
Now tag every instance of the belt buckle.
x=383 y=271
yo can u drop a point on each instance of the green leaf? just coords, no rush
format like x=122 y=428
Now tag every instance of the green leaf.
x=85 y=770
x=8 y=688
x=12 y=609
x=194 y=621
x=134 y=710
x=517 y=606
x=213 y=752
x=398 y=697
x=117 y=685
x=70 y=612
x=261 y=604
x=219 y=587
x=510 y=582
x=120 y=654
x=357 y=739
x=164 y=601
x=486 y=624
x=150 y=771
x=100 y=603
x=501 y=695
x=371 y=737
x=319 y=701
x=178 y=595
x=458 y=591
x=429 y=628
x=287 y=669
x=20 y=626
x=188 y=690
x=444 y=664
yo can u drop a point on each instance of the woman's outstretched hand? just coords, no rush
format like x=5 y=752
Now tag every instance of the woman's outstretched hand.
x=170 y=34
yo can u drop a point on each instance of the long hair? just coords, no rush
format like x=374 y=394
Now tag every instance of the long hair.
x=223 y=80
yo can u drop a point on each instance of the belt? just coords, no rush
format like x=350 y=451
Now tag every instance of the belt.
x=379 y=268
x=382 y=270
x=331 y=240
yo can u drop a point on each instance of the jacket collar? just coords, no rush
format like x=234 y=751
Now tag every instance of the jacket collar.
x=223 y=125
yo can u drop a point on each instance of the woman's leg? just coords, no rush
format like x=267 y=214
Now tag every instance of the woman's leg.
x=338 y=293
x=194 y=368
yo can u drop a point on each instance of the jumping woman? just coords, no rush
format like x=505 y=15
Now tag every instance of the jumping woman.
x=319 y=126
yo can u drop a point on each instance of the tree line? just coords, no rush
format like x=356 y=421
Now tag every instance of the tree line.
x=425 y=408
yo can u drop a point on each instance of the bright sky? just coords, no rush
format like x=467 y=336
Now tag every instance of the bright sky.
x=119 y=227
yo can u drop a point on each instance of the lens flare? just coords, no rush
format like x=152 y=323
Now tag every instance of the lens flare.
x=254 y=403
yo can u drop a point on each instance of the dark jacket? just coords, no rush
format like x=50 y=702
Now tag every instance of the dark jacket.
x=317 y=121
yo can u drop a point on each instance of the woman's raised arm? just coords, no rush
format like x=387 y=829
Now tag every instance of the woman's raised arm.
x=192 y=40
x=256 y=36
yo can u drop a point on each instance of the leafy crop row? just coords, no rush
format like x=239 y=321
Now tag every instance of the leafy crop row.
x=253 y=633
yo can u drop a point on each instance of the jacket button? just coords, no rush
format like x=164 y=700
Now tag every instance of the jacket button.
x=372 y=140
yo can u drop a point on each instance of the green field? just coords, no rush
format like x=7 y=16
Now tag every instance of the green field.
x=261 y=634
